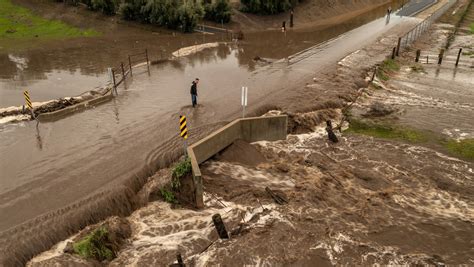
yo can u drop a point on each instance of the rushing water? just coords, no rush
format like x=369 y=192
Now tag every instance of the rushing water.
x=49 y=167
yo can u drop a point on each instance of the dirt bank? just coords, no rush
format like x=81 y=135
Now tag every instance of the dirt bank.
x=309 y=14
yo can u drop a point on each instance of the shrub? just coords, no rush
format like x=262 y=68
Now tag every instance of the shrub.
x=132 y=10
x=219 y=11
x=182 y=168
x=96 y=246
x=265 y=7
x=189 y=14
x=108 y=7
x=168 y=196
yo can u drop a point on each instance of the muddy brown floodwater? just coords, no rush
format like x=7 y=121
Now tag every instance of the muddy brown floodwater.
x=97 y=158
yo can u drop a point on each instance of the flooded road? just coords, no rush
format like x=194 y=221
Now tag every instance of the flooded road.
x=70 y=67
x=74 y=157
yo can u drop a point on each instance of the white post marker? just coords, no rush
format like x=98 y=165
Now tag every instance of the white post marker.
x=109 y=71
x=244 y=99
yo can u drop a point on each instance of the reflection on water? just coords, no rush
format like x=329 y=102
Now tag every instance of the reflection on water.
x=71 y=67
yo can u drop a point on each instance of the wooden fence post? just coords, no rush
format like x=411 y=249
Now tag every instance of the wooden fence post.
x=130 y=65
x=418 y=53
x=220 y=227
x=440 y=57
x=123 y=71
x=459 y=55
x=113 y=77
x=147 y=60
x=373 y=75
x=398 y=46
x=393 y=52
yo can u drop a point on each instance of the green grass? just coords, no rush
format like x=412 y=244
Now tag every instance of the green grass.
x=95 y=246
x=387 y=132
x=472 y=28
x=418 y=68
x=468 y=53
x=463 y=148
x=182 y=168
x=168 y=196
x=20 y=23
x=388 y=66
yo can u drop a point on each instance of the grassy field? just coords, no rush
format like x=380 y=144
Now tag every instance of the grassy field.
x=458 y=148
x=20 y=23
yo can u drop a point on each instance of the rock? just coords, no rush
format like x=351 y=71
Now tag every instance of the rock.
x=69 y=248
x=283 y=167
x=378 y=109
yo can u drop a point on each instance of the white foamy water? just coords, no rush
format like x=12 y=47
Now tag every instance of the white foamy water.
x=186 y=51
x=160 y=232
x=258 y=178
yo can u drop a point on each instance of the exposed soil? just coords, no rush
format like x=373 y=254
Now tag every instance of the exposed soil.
x=241 y=152
x=308 y=14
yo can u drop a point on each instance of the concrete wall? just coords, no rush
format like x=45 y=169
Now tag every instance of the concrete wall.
x=59 y=114
x=249 y=129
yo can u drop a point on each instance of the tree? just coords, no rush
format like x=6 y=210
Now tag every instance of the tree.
x=265 y=7
x=219 y=11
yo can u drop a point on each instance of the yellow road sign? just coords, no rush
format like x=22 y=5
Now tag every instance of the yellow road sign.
x=182 y=127
x=28 y=100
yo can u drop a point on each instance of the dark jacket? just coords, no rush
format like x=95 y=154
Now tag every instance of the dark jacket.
x=194 y=88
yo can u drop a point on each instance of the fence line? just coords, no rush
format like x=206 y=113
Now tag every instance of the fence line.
x=120 y=73
x=407 y=39
x=411 y=36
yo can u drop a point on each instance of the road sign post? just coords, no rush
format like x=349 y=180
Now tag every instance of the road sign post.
x=244 y=99
x=29 y=104
x=183 y=132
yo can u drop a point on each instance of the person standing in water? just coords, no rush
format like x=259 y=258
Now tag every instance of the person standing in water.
x=194 y=92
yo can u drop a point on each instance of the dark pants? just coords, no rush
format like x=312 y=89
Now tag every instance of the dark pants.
x=194 y=99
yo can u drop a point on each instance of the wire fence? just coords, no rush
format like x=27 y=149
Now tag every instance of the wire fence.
x=407 y=39
x=119 y=73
